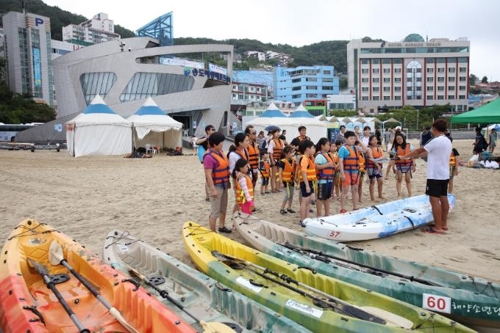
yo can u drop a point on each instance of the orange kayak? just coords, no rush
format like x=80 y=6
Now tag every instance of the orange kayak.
x=29 y=303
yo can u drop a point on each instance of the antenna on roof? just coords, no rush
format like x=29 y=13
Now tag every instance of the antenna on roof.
x=23 y=6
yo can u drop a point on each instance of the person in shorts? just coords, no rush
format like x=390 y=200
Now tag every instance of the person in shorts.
x=324 y=165
x=438 y=151
x=307 y=176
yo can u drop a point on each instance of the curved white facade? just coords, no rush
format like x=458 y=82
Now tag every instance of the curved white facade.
x=126 y=72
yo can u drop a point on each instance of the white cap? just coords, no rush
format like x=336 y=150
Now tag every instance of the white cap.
x=398 y=128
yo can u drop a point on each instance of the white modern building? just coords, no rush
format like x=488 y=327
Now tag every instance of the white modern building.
x=126 y=72
x=415 y=72
x=27 y=48
x=99 y=29
x=341 y=102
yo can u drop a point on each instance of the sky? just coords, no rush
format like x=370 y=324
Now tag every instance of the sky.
x=300 y=23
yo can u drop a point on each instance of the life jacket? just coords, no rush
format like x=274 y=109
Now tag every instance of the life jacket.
x=278 y=147
x=288 y=171
x=243 y=153
x=265 y=169
x=311 y=169
x=220 y=175
x=240 y=194
x=453 y=159
x=377 y=153
x=335 y=159
x=326 y=173
x=361 y=162
x=400 y=152
x=351 y=163
x=253 y=155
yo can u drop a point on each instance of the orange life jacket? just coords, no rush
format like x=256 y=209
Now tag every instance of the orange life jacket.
x=278 y=147
x=243 y=153
x=326 y=173
x=400 y=152
x=265 y=169
x=377 y=153
x=335 y=159
x=311 y=170
x=240 y=194
x=288 y=171
x=253 y=155
x=362 y=162
x=351 y=163
x=453 y=159
x=220 y=175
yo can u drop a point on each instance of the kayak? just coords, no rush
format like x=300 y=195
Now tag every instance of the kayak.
x=373 y=222
x=316 y=301
x=51 y=283
x=190 y=293
x=470 y=300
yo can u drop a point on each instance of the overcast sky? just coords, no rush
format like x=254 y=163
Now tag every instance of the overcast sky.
x=305 y=22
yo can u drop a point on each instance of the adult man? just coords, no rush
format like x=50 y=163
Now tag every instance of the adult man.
x=425 y=136
x=302 y=136
x=216 y=167
x=387 y=138
x=341 y=136
x=438 y=151
x=253 y=153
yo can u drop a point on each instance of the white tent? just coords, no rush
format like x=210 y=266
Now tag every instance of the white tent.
x=153 y=126
x=316 y=129
x=98 y=130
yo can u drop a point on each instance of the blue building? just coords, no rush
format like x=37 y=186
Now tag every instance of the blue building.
x=304 y=82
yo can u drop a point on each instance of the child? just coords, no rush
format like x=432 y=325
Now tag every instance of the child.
x=265 y=169
x=324 y=170
x=287 y=175
x=244 y=186
x=361 y=168
x=402 y=167
x=337 y=182
x=374 y=169
x=454 y=161
x=307 y=177
x=349 y=170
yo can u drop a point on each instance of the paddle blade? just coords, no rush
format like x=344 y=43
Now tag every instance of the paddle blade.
x=41 y=269
x=214 y=327
x=55 y=253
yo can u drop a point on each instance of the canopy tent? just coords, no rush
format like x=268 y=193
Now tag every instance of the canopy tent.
x=316 y=129
x=300 y=112
x=153 y=126
x=391 y=120
x=486 y=114
x=332 y=119
x=321 y=117
x=98 y=130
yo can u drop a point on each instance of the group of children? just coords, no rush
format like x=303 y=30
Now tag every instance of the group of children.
x=326 y=171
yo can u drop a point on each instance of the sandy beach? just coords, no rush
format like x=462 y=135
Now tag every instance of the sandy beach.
x=87 y=197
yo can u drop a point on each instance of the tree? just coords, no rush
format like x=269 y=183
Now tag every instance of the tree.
x=472 y=79
x=485 y=79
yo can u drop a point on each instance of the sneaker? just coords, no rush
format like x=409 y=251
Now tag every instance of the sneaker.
x=302 y=224
x=225 y=230
x=291 y=210
x=282 y=211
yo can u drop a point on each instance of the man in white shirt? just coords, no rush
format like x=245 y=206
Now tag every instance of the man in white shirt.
x=438 y=151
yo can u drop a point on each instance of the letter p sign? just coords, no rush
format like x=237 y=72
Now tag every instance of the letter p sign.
x=38 y=21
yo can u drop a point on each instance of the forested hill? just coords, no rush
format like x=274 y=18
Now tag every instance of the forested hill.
x=331 y=53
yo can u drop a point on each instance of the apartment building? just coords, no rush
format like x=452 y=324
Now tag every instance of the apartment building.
x=415 y=72
x=305 y=82
x=99 y=29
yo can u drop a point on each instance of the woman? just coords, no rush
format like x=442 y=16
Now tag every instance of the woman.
x=274 y=148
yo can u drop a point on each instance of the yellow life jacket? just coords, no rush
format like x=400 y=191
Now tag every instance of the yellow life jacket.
x=240 y=194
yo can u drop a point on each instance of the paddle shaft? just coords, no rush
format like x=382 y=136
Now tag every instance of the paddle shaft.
x=342 y=305
x=42 y=270
x=411 y=278
x=163 y=293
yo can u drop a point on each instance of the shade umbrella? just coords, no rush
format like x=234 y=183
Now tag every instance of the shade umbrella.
x=301 y=112
x=272 y=128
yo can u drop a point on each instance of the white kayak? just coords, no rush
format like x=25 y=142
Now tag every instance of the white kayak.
x=373 y=222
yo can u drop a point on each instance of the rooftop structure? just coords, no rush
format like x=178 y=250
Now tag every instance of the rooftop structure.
x=160 y=28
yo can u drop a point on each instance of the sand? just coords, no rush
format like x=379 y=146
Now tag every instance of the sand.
x=87 y=197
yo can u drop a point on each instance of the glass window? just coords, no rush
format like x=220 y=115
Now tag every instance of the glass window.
x=430 y=88
x=440 y=70
x=376 y=98
x=463 y=79
x=387 y=98
x=463 y=69
x=143 y=85
x=375 y=70
x=440 y=79
x=461 y=97
x=386 y=61
x=376 y=89
x=397 y=80
x=387 y=70
x=451 y=69
x=440 y=88
x=462 y=88
x=365 y=61
x=451 y=88
x=451 y=96
x=365 y=80
x=430 y=70
x=451 y=78
x=430 y=79
x=397 y=89
x=387 y=88
x=397 y=98
x=376 y=80
x=96 y=84
x=375 y=61
x=364 y=89
x=440 y=97
x=441 y=60
x=430 y=97
x=364 y=71
x=397 y=70
x=387 y=80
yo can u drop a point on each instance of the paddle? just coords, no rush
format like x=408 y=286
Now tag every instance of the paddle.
x=56 y=258
x=323 y=255
x=43 y=271
x=208 y=327
x=341 y=305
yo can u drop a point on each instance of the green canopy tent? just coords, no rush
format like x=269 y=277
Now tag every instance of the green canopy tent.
x=486 y=114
